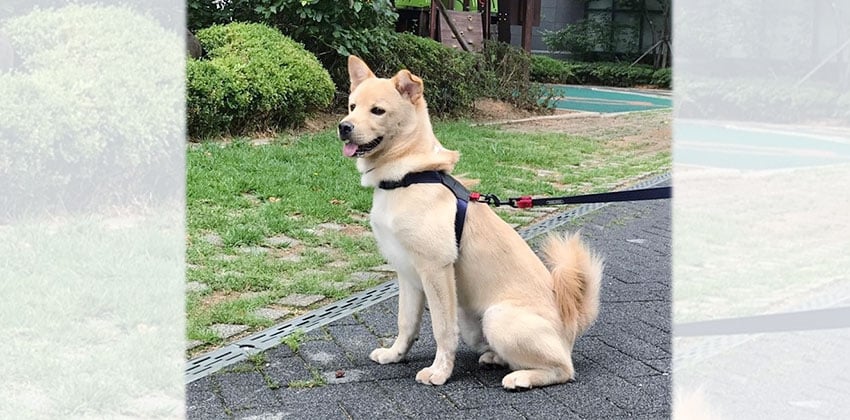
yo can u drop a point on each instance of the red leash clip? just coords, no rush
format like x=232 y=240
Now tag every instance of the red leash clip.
x=525 y=202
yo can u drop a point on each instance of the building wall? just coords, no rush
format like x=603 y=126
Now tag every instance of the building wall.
x=554 y=14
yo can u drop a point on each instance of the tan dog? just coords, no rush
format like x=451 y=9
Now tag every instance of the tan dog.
x=492 y=288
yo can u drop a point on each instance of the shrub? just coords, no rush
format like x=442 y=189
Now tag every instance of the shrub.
x=506 y=75
x=549 y=70
x=71 y=128
x=254 y=78
x=450 y=76
x=454 y=79
x=663 y=77
x=330 y=29
x=613 y=74
x=581 y=39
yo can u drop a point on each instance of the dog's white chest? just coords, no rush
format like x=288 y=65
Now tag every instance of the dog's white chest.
x=381 y=218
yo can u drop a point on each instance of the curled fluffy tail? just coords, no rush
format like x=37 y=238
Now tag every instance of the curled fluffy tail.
x=577 y=275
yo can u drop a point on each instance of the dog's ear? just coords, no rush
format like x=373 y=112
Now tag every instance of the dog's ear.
x=358 y=71
x=408 y=85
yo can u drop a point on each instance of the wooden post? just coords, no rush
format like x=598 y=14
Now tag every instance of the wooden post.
x=504 y=25
x=527 y=23
x=432 y=20
x=486 y=22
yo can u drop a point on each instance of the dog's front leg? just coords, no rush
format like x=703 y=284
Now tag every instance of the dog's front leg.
x=439 y=285
x=411 y=301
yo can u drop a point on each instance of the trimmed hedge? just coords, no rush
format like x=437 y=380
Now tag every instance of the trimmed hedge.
x=254 y=78
x=71 y=131
x=663 y=77
x=549 y=70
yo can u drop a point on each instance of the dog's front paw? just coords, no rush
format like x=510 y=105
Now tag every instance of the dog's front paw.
x=432 y=376
x=384 y=356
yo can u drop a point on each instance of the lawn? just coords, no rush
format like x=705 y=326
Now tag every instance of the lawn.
x=290 y=217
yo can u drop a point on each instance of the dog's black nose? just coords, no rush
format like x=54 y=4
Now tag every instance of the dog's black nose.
x=345 y=129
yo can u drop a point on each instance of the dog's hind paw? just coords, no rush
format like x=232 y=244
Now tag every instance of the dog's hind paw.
x=432 y=376
x=491 y=358
x=517 y=380
x=384 y=356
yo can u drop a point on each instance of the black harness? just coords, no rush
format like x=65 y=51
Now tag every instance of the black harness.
x=437 y=177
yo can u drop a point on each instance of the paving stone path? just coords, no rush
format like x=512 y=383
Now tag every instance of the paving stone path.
x=622 y=363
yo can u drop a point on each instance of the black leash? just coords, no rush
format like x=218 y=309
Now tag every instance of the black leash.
x=526 y=201
x=464 y=196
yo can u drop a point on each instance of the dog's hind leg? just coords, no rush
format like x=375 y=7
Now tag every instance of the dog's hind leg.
x=530 y=344
x=530 y=378
x=411 y=301
x=470 y=331
x=473 y=335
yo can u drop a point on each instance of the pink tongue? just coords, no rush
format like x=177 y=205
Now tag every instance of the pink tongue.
x=349 y=149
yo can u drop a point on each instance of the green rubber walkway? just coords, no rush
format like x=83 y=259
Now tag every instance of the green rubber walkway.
x=591 y=99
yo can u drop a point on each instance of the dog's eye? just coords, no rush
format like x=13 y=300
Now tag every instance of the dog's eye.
x=351 y=107
x=378 y=111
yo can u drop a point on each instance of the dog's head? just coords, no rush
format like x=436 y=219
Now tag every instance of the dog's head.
x=380 y=111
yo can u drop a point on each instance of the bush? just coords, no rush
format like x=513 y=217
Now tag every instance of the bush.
x=450 y=76
x=549 y=70
x=581 y=39
x=330 y=29
x=455 y=79
x=255 y=78
x=506 y=75
x=663 y=77
x=613 y=74
x=71 y=129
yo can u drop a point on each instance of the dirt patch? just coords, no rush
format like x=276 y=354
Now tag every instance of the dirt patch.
x=356 y=230
x=486 y=110
x=649 y=132
x=321 y=121
x=219 y=296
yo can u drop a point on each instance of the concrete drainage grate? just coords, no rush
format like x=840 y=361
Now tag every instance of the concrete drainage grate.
x=235 y=352
x=238 y=351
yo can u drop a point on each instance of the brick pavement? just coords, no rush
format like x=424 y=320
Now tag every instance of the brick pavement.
x=622 y=363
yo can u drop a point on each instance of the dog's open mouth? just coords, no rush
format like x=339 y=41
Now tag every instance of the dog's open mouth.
x=352 y=149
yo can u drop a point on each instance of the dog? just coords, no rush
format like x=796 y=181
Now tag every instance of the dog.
x=482 y=282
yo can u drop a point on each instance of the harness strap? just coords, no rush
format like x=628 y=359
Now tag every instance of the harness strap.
x=437 y=177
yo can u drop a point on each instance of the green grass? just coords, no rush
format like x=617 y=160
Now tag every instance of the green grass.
x=293 y=341
x=245 y=194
